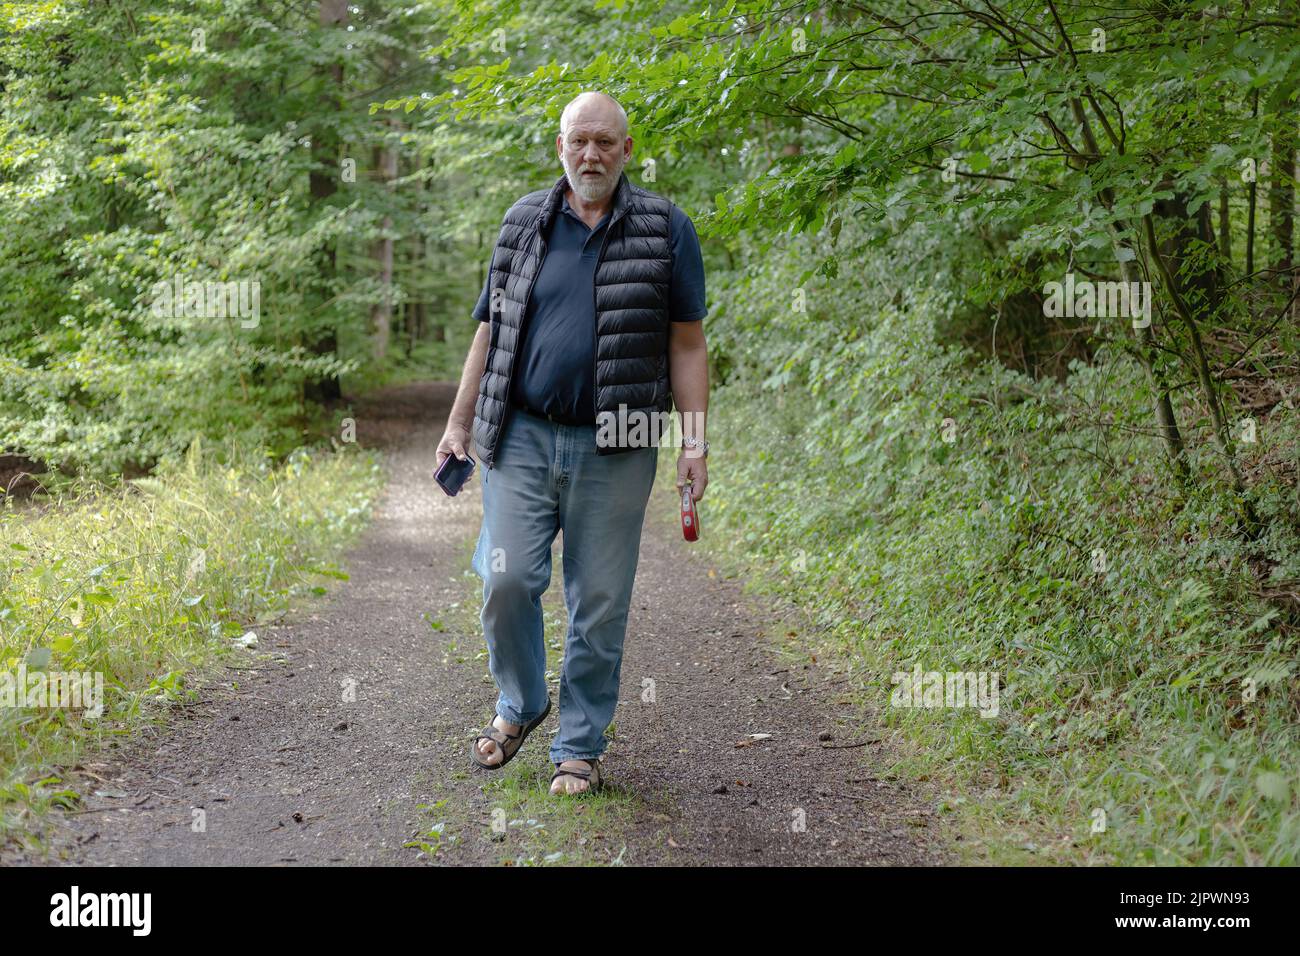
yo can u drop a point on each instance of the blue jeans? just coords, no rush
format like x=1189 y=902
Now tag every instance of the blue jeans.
x=548 y=478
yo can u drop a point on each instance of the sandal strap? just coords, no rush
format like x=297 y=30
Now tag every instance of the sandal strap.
x=580 y=774
x=488 y=734
x=570 y=773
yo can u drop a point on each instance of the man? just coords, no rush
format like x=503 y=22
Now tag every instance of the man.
x=592 y=310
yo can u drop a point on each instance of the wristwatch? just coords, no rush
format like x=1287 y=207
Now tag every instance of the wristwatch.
x=691 y=442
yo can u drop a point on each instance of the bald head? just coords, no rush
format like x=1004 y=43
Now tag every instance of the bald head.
x=594 y=107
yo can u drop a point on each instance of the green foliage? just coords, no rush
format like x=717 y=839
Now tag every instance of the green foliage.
x=1160 y=689
x=148 y=582
x=146 y=143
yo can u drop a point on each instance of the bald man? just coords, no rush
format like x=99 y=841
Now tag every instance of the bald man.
x=590 y=332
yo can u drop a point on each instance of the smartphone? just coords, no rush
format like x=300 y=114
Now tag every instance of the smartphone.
x=690 y=516
x=453 y=474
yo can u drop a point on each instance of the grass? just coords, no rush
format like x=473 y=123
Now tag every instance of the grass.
x=1148 y=709
x=530 y=827
x=148 y=583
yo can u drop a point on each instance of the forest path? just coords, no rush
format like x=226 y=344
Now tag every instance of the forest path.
x=280 y=769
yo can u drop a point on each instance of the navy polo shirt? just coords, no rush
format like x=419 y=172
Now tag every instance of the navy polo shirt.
x=555 y=365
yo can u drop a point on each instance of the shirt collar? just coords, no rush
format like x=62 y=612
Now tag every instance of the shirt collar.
x=557 y=200
x=565 y=207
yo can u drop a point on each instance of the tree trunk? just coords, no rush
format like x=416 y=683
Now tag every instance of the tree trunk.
x=1225 y=225
x=1281 y=200
x=1252 y=200
x=381 y=312
x=323 y=181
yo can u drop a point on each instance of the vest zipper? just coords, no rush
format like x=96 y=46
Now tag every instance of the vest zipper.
x=595 y=308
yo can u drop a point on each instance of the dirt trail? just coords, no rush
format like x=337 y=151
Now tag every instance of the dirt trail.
x=283 y=770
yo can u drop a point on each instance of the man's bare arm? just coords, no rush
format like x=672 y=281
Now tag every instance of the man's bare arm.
x=460 y=423
x=688 y=373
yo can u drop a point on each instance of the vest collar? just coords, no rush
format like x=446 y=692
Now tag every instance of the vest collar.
x=551 y=207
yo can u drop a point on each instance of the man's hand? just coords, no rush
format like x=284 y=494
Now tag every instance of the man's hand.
x=692 y=469
x=455 y=441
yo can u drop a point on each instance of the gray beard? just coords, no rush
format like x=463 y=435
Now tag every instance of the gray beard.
x=592 y=191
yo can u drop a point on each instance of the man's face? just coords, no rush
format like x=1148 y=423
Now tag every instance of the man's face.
x=594 y=153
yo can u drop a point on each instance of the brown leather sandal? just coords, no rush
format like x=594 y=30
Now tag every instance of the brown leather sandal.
x=593 y=785
x=505 y=739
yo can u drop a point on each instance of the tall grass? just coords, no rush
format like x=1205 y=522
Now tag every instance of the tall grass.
x=144 y=583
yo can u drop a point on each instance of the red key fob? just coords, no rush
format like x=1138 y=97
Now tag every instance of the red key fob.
x=690 y=516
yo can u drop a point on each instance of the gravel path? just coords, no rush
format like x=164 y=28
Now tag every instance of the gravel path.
x=282 y=769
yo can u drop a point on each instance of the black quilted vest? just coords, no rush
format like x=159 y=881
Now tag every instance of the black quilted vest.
x=633 y=273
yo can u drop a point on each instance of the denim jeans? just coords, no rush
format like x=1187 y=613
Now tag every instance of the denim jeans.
x=547 y=478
